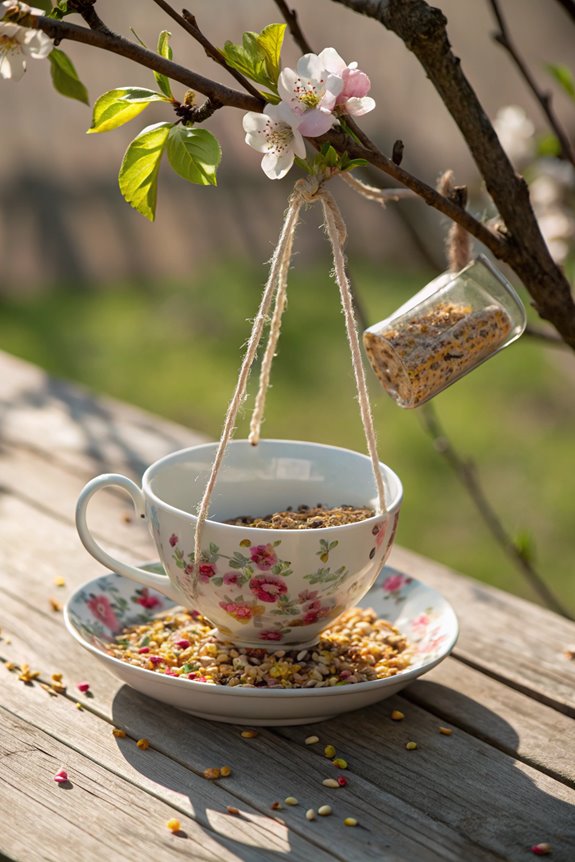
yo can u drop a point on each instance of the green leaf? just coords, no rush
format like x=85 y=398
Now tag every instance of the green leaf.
x=525 y=546
x=65 y=77
x=138 y=177
x=60 y=10
x=564 y=78
x=44 y=5
x=117 y=107
x=258 y=57
x=270 y=41
x=194 y=154
x=548 y=145
x=164 y=50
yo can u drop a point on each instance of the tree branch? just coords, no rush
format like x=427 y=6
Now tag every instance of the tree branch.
x=569 y=7
x=291 y=19
x=61 y=30
x=188 y=23
x=467 y=475
x=504 y=39
x=423 y=30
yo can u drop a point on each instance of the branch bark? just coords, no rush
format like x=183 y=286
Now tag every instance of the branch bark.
x=422 y=28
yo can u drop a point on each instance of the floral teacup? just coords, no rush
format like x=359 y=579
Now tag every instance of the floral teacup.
x=259 y=586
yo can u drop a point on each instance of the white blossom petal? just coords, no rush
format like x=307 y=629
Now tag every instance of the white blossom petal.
x=331 y=61
x=276 y=167
x=315 y=123
x=37 y=44
x=358 y=107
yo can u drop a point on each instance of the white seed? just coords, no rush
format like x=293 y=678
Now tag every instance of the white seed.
x=324 y=810
x=311 y=740
x=310 y=814
x=291 y=800
x=330 y=782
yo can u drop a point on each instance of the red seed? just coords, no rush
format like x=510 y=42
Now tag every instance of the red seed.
x=83 y=686
x=542 y=849
x=341 y=780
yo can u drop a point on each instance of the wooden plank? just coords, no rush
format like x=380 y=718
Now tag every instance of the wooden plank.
x=78 y=428
x=157 y=775
x=96 y=815
x=414 y=803
x=502 y=635
x=507 y=719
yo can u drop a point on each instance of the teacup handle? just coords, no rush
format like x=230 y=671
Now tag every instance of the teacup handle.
x=161 y=583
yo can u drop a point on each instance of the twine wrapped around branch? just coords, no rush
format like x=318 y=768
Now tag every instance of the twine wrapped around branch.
x=306 y=191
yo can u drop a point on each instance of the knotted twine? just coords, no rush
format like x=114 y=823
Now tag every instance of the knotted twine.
x=306 y=191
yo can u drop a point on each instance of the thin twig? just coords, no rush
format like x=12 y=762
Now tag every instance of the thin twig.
x=86 y=9
x=569 y=7
x=188 y=23
x=503 y=37
x=466 y=474
x=291 y=19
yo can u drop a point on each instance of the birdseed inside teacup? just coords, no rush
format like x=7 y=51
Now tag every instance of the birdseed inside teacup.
x=358 y=647
x=306 y=517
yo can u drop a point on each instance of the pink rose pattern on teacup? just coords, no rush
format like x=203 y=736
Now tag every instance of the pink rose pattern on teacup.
x=252 y=585
x=108 y=610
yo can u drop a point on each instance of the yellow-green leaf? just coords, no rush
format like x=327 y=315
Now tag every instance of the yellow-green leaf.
x=194 y=154
x=65 y=78
x=138 y=177
x=564 y=77
x=164 y=50
x=117 y=107
x=271 y=40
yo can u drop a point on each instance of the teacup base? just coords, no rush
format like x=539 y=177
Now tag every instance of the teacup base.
x=268 y=646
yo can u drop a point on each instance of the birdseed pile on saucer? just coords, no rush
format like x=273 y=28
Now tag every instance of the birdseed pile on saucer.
x=357 y=647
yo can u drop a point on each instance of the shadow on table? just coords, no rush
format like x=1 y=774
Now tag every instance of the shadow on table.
x=458 y=790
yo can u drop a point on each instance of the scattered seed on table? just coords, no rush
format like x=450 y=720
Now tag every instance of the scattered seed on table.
x=79 y=707
x=231 y=809
x=9 y=665
x=249 y=734
x=143 y=743
x=225 y=771
x=291 y=800
x=311 y=740
x=55 y=605
x=61 y=776
x=27 y=675
x=411 y=746
x=48 y=689
x=340 y=763
x=543 y=849
x=350 y=821
x=59 y=582
x=341 y=780
x=310 y=814
x=83 y=686
x=174 y=825
x=329 y=751
x=324 y=810
x=118 y=732
x=330 y=782
x=275 y=806
x=212 y=772
x=446 y=731
x=397 y=715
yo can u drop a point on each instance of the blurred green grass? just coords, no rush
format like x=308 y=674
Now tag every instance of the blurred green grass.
x=176 y=348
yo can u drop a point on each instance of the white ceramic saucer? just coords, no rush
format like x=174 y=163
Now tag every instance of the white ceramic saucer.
x=102 y=607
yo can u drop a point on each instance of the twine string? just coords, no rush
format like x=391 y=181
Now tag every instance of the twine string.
x=285 y=241
x=305 y=192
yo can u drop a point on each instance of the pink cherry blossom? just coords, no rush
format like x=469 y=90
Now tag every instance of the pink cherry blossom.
x=352 y=97
x=311 y=91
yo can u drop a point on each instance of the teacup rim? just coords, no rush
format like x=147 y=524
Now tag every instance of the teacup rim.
x=392 y=507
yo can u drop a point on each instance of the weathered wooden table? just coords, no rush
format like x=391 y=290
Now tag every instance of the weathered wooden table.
x=502 y=782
